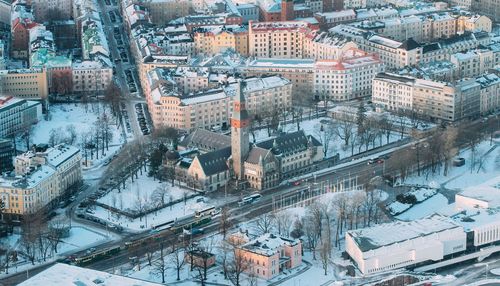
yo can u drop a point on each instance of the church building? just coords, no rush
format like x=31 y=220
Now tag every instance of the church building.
x=259 y=165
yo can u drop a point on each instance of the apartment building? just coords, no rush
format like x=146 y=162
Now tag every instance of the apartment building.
x=299 y=71
x=46 y=10
x=21 y=21
x=399 y=54
x=90 y=76
x=490 y=93
x=16 y=114
x=488 y=8
x=474 y=23
x=328 y=20
x=163 y=11
x=431 y=99
x=325 y=45
x=42 y=176
x=25 y=83
x=416 y=26
x=277 y=39
x=443 y=49
x=443 y=25
x=212 y=40
x=473 y=63
x=213 y=107
x=269 y=255
x=348 y=77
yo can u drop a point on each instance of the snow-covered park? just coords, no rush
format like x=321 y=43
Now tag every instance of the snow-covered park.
x=322 y=129
x=144 y=192
x=76 y=124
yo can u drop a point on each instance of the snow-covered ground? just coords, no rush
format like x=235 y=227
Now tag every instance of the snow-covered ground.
x=313 y=127
x=469 y=174
x=176 y=211
x=80 y=238
x=145 y=189
x=425 y=208
x=64 y=119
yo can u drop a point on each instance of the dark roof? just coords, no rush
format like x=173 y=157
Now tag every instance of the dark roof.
x=287 y=143
x=314 y=141
x=215 y=162
x=410 y=44
x=431 y=47
x=206 y=140
x=395 y=77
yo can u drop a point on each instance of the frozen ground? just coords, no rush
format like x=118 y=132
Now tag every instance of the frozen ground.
x=74 y=115
x=425 y=208
x=469 y=174
x=80 y=238
x=177 y=211
x=313 y=127
x=146 y=189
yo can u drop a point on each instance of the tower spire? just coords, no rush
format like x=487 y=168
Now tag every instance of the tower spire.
x=240 y=122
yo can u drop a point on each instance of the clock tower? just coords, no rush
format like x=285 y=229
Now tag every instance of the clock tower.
x=240 y=139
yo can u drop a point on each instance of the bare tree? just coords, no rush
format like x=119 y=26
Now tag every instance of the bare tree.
x=160 y=266
x=57 y=228
x=264 y=223
x=177 y=258
x=283 y=222
x=324 y=255
x=326 y=135
x=344 y=129
x=237 y=266
x=71 y=134
x=225 y=222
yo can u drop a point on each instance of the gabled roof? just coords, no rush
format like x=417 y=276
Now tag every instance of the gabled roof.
x=215 y=162
x=287 y=143
x=206 y=140
x=256 y=154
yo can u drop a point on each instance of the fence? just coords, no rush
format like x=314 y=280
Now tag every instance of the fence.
x=314 y=190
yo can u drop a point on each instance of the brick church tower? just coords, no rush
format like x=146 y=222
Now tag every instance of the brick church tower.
x=287 y=12
x=240 y=138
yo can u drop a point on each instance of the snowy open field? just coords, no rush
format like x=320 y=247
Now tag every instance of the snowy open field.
x=144 y=189
x=80 y=238
x=65 y=119
x=487 y=167
x=177 y=211
x=313 y=127
x=469 y=174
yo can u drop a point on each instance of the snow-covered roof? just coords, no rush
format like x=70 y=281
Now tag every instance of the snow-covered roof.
x=389 y=233
x=63 y=275
x=351 y=59
x=269 y=244
x=488 y=192
x=60 y=154
x=280 y=63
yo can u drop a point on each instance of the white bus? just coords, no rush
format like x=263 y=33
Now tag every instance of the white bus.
x=250 y=199
x=207 y=211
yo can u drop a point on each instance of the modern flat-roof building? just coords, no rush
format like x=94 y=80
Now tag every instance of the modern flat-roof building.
x=448 y=101
x=16 y=114
x=25 y=83
x=394 y=245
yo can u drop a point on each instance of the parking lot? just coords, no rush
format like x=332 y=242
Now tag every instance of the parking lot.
x=141 y=118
